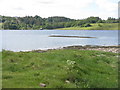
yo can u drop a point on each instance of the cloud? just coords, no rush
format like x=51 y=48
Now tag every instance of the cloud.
x=70 y=8
x=45 y=1
x=107 y=5
x=107 y=8
x=19 y=8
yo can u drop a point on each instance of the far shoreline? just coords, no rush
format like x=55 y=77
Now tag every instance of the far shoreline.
x=53 y=29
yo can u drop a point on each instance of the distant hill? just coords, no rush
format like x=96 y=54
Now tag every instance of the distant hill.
x=37 y=22
x=95 y=26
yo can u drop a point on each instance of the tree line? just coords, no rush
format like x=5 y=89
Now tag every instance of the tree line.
x=37 y=22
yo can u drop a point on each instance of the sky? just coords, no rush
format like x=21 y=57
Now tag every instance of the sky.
x=75 y=9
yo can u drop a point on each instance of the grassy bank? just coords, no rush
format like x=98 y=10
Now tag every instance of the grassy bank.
x=0 y=26
x=96 y=26
x=0 y=70
x=60 y=69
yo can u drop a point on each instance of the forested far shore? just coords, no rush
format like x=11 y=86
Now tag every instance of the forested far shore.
x=55 y=22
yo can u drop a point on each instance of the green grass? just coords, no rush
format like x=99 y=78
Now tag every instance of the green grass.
x=96 y=26
x=0 y=70
x=82 y=69
x=0 y=26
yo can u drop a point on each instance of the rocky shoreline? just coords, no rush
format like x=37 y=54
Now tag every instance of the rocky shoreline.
x=113 y=49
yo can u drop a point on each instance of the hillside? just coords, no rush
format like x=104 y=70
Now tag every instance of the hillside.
x=97 y=26
x=0 y=26
x=57 y=22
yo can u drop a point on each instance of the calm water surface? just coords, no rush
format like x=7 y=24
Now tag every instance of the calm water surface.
x=17 y=40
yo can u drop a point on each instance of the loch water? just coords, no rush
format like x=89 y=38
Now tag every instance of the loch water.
x=26 y=40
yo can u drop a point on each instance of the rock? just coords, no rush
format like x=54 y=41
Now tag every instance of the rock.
x=42 y=85
x=67 y=81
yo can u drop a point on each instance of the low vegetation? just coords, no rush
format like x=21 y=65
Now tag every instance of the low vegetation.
x=63 y=68
x=0 y=70
x=97 y=26
x=0 y=26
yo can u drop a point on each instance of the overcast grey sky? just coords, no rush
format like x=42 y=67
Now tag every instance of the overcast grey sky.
x=76 y=9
